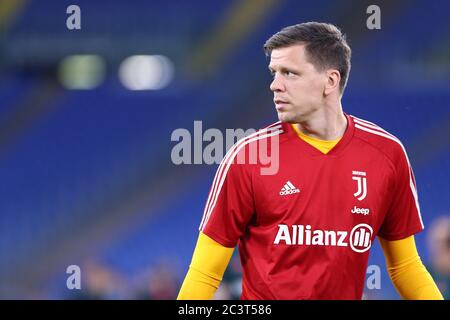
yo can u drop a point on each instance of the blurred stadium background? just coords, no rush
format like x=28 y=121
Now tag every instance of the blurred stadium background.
x=86 y=119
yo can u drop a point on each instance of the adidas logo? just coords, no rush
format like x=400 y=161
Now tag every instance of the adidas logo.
x=288 y=189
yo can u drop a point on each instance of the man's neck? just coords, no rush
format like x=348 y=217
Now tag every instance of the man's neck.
x=325 y=124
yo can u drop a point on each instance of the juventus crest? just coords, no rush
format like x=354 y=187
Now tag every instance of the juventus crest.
x=360 y=177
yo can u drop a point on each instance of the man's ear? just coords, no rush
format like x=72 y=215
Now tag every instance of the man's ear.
x=333 y=80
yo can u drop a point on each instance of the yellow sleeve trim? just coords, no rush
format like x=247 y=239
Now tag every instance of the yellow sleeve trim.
x=407 y=272
x=209 y=261
x=323 y=145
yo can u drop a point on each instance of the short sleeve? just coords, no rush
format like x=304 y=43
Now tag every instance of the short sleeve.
x=403 y=218
x=230 y=203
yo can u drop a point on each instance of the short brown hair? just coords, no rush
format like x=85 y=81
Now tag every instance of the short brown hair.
x=326 y=46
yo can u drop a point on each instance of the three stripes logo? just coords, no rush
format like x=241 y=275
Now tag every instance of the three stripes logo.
x=288 y=188
x=360 y=177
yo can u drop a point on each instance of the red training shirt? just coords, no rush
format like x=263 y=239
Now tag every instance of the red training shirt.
x=305 y=229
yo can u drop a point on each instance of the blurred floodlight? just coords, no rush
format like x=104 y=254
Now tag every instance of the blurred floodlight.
x=82 y=72
x=146 y=72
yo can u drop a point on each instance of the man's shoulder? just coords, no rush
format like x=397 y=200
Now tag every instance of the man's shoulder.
x=270 y=132
x=249 y=149
x=379 y=138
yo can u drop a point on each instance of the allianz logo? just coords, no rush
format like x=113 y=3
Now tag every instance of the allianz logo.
x=363 y=211
x=359 y=239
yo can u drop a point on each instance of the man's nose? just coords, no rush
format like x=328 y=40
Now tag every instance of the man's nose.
x=277 y=84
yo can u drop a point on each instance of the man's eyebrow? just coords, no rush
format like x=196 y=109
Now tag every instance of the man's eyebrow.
x=282 y=69
x=274 y=68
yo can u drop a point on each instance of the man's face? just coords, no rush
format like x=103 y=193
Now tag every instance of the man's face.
x=298 y=88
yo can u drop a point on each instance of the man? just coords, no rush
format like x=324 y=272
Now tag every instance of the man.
x=305 y=231
x=438 y=237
